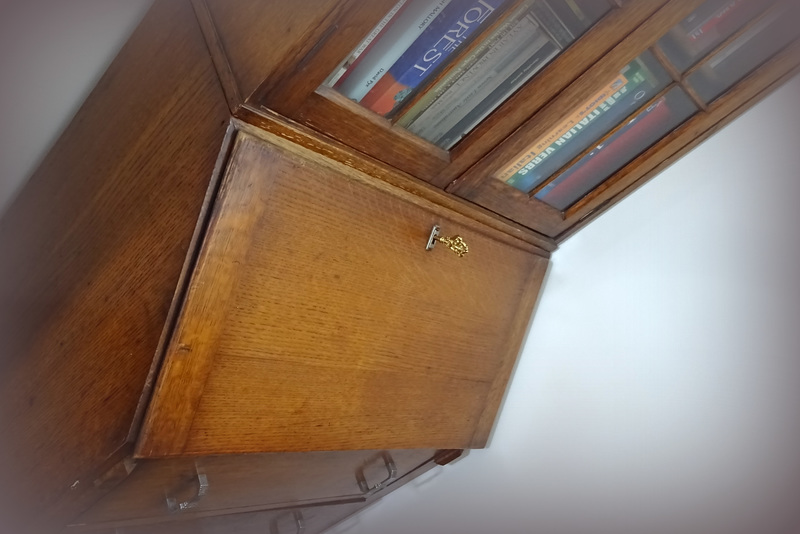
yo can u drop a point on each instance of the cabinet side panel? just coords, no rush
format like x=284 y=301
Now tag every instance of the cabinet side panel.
x=92 y=251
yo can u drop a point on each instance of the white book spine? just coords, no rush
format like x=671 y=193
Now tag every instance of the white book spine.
x=480 y=80
x=390 y=46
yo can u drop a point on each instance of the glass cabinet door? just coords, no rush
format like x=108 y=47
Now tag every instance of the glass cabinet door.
x=602 y=132
x=410 y=67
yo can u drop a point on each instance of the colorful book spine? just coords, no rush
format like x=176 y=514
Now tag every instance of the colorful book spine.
x=459 y=70
x=523 y=41
x=454 y=25
x=599 y=164
x=639 y=87
x=547 y=51
x=351 y=62
x=414 y=17
x=542 y=145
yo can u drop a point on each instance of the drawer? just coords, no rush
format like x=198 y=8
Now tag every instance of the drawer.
x=306 y=520
x=316 y=319
x=172 y=489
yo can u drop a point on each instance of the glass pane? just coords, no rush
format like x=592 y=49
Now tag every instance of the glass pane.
x=413 y=44
x=529 y=38
x=766 y=37
x=707 y=27
x=653 y=123
x=636 y=84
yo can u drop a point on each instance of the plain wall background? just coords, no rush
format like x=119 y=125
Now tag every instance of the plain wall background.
x=659 y=387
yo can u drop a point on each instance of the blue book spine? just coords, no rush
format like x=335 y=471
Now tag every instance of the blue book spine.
x=452 y=27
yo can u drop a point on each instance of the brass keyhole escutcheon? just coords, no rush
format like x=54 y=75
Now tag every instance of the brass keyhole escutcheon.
x=455 y=243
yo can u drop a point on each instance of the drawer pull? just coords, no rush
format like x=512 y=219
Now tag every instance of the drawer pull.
x=298 y=521
x=202 y=487
x=391 y=468
x=455 y=243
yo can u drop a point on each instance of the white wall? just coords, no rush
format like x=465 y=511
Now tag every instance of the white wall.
x=659 y=387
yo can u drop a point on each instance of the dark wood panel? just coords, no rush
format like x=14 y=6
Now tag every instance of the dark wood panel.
x=92 y=250
x=328 y=111
x=262 y=39
x=314 y=58
x=328 y=326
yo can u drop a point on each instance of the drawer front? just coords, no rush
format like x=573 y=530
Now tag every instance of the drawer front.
x=307 y=520
x=301 y=520
x=316 y=319
x=159 y=490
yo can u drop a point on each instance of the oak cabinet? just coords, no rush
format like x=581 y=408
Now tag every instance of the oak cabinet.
x=202 y=339
x=110 y=251
x=321 y=313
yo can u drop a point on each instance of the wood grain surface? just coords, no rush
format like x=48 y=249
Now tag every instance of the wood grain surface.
x=92 y=251
x=316 y=320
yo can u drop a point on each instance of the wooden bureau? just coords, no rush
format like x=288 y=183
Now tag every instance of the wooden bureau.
x=229 y=301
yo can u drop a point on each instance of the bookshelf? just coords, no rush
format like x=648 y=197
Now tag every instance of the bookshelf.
x=522 y=71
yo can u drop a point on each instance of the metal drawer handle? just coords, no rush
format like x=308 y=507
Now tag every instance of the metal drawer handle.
x=455 y=243
x=202 y=487
x=298 y=521
x=362 y=479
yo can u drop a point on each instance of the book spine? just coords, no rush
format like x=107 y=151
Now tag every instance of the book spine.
x=408 y=24
x=552 y=24
x=580 y=113
x=566 y=17
x=590 y=11
x=456 y=23
x=582 y=135
x=707 y=26
x=603 y=118
x=495 y=66
x=745 y=38
x=461 y=68
x=606 y=158
x=355 y=57
x=510 y=84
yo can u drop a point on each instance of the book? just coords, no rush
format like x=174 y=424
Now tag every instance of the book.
x=703 y=27
x=511 y=83
x=552 y=24
x=579 y=117
x=600 y=163
x=349 y=64
x=449 y=30
x=578 y=15
x=640 y=84
x=408 y=23
x=521 y=42
x=464 y=64
x=529 y=68
x=646 y=128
